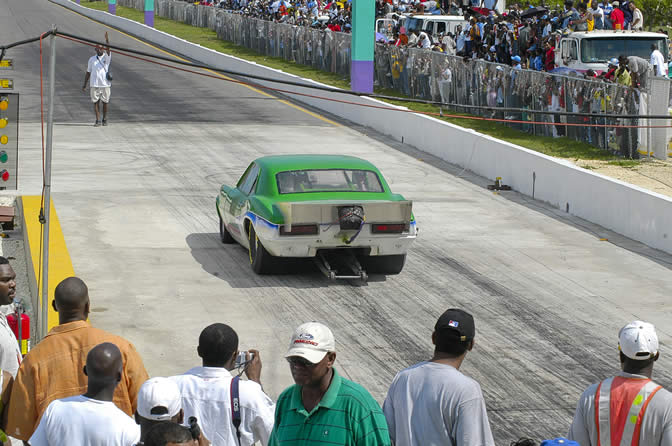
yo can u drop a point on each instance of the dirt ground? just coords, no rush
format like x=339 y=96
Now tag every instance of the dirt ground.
x=651 y=174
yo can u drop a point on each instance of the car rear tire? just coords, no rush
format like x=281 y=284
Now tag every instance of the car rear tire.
x=261 y=261
x=388 y=265
x=224 y=234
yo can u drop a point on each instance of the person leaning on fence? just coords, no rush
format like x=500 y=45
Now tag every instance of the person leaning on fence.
x=628 y=408
x=432 y=402
x=53 y=368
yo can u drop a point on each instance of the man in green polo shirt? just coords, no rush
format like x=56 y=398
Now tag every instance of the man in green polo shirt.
x=323 y=408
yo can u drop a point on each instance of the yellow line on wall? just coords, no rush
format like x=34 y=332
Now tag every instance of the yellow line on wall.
x=60 y=264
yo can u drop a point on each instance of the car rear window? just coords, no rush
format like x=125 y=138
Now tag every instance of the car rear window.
x=328 y=180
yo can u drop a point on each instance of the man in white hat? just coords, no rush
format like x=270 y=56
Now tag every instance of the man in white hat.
x=323 y=408
x=629 y=408
x=159 y=400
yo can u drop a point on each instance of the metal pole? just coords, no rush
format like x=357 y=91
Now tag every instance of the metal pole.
x=47 y=190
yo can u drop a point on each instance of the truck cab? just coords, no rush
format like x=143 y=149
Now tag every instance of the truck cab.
x=435 y=24
x=592 y=50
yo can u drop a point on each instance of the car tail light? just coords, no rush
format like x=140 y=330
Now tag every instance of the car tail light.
x=394 y=228
x=299 y=230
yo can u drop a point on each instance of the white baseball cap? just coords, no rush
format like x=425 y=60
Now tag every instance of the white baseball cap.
x=311 y=341
x=638 y=340
x=157 y=392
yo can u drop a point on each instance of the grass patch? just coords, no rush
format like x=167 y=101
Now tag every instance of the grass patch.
x=625 y=163
x=558 y=147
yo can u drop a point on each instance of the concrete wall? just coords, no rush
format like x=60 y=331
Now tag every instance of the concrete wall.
x=629 y=210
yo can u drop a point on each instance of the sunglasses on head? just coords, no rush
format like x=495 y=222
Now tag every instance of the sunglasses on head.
x=297 y=360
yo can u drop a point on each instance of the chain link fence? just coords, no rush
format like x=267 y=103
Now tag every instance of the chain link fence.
x=464 y=83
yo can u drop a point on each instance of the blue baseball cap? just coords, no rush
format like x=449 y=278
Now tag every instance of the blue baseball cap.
x=516 y=58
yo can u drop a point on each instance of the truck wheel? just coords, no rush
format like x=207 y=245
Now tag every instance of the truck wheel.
x=389 y=265
x=224 y=235
x=261 y=261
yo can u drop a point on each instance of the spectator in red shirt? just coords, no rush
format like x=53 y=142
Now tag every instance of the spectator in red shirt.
x=617 y=18
x=549 y=61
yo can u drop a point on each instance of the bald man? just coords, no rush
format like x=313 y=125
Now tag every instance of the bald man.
x=92 y=418
x=53 y=369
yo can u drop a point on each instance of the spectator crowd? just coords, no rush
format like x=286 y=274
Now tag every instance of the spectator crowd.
x=521 y=37
x=83 y=386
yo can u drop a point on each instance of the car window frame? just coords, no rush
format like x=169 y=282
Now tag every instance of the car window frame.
x=377 y=175
x=250 y=171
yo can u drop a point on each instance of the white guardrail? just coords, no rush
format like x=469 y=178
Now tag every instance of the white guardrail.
x=629 y=210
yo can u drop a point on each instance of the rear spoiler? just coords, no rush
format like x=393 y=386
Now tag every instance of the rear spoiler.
x=326 y=212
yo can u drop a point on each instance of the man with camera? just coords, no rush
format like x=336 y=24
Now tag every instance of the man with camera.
x=230 y=412
x=98 y=77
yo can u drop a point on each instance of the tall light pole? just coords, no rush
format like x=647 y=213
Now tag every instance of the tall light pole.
x=44 y=322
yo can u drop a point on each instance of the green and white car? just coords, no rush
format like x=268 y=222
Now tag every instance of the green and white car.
x=336 y=209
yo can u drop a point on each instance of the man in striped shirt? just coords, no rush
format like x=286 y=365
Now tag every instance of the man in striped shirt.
x=323 y=408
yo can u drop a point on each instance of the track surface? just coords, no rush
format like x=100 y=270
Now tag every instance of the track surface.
x=136 y=200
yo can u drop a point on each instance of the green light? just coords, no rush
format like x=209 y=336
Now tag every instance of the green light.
x=3 y=157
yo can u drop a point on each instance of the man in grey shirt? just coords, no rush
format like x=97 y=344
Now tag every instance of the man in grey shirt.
x=433 y=403
x=638 y=68
x=628 y=402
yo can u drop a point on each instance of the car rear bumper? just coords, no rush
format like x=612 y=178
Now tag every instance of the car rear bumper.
x=332 y=237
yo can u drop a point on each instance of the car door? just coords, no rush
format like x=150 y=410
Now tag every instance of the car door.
x=238 y=202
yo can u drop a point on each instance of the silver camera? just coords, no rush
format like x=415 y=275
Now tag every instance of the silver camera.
x=241 y=359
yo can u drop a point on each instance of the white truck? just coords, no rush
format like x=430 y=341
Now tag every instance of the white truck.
x=592 y=50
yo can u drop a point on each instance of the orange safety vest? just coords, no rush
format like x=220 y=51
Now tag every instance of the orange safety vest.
x=620 y=404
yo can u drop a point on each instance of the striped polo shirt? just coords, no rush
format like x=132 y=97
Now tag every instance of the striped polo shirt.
x=346 y=415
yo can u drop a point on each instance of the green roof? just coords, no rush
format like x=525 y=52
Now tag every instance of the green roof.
x=281 y=163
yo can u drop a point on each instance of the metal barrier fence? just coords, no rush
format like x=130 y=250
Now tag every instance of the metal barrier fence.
x=434 y=76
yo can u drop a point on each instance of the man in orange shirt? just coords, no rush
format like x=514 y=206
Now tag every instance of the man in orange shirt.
x=54 y=368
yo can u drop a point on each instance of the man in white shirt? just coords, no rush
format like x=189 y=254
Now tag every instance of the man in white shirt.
x=424 y=40
x=658 y=61
x=10 y=354
x=433 y=403
x=97 y=77
x=637 y=17
x=206 y=391
x=616 y=409
x=91 y=419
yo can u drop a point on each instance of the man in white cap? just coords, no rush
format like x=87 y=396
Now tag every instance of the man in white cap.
x=629 y=408
x=159 y=400
x=323 y=408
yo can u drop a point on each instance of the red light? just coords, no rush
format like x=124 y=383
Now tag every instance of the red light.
x=5 y=175
x=396 y=228
x=299 y=230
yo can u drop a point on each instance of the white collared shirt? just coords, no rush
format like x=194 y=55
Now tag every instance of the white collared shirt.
x=10 y=354
x=206 y=396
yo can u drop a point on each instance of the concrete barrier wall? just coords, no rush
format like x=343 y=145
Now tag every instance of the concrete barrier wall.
x=629 y=210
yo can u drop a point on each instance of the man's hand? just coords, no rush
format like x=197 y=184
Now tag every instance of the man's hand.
x=253 y=367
